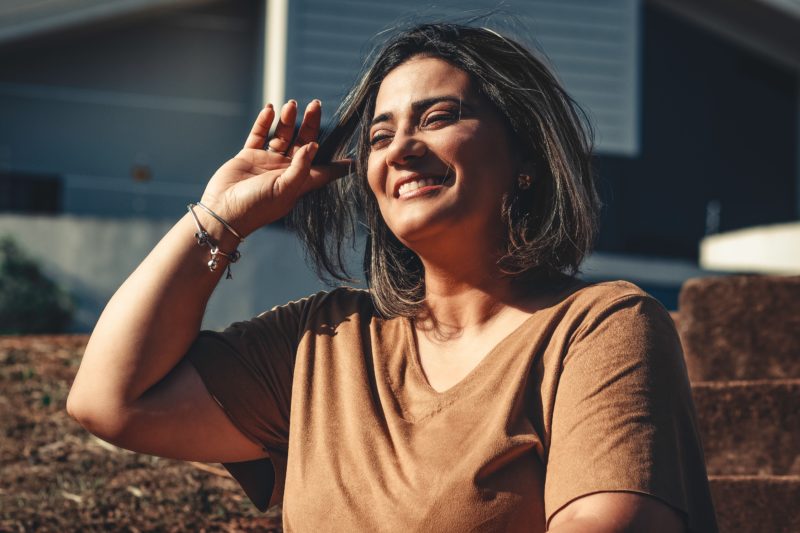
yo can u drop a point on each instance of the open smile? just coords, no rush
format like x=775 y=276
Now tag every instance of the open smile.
x=417 y=185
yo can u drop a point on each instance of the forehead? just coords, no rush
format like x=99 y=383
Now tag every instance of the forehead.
x=420 y=78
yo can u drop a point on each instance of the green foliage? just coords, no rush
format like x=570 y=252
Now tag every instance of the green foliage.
x=29 y=301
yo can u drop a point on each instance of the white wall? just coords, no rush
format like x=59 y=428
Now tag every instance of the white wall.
x=773 y=249
x=91 y=257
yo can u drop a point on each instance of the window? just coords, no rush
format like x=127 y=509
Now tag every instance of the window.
x=26 y=193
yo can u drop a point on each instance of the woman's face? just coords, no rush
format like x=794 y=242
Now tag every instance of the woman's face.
x=440 y=160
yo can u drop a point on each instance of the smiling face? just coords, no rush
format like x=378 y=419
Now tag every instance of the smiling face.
x=440 y=160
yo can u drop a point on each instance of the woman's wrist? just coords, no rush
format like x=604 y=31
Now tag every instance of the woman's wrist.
x=241 y=223
x=217 y=237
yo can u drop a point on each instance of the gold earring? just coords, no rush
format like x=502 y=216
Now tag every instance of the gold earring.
x=524 y=182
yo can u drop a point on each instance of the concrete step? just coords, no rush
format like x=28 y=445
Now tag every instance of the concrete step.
x=756 y=504
x=741 y=327
x=749 y=427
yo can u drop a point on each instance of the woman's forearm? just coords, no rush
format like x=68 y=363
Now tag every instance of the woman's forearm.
x=151 y=320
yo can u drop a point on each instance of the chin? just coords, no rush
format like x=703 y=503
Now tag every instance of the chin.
x=418 y=229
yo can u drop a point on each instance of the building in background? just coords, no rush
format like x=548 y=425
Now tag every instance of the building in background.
x=113 y=115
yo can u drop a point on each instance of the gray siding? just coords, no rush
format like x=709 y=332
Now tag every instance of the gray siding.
x=592 y=45
x=174 y=93
x=22 y=19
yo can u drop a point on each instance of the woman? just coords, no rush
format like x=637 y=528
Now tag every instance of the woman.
x=477 y=385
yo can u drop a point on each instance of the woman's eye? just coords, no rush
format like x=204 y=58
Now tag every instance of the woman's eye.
x=378 y=139
x=438 y=118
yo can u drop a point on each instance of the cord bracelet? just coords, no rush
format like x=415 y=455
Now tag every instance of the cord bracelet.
x=204 y=239
x=220 y=220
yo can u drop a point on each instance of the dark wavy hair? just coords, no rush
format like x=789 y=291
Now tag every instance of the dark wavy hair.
x=551 y=225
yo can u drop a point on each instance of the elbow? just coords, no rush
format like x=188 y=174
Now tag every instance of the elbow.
x=83 y=411
x=77 y=408
x=97 y=416
x=80 y=403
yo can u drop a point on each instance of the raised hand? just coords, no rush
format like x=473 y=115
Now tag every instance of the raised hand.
x=260 y=185
x=135 y=387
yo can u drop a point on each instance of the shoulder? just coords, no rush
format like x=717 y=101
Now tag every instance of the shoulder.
x=282 y=328
x=614 y=314
x=337 y=300
x=341 y=301
x=588 y=304
x=594 y=295
x=336 y=306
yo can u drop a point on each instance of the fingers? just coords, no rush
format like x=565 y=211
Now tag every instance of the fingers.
x=302 y=176
x=281 y=142
x=309 y=129
x=294 y=177
x=324 y=174
x=284 y=131
x=260 y=132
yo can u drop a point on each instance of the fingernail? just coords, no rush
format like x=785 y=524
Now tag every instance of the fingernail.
x=292 y=101
x=318 y=101
x=268 y=106
x=312 y=148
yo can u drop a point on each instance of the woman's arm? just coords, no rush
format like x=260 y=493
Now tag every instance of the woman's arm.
x=617 y=512
x=132 y=387
x=624 y=449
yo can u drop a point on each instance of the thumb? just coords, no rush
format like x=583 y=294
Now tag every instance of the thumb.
x=292 y=179
x=323 y=174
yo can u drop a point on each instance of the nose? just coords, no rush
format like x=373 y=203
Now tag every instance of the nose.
x=404 y=148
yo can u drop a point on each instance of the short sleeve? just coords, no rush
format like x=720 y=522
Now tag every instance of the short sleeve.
x=623 y=417
x=248 y=369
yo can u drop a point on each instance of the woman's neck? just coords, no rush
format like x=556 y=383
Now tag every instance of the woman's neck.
x=464 y=285
x=469 y=295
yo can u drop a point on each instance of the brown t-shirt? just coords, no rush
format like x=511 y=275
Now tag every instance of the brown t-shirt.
x=589 y=394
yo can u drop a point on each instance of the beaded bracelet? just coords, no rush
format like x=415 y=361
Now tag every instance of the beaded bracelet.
x=204 y=239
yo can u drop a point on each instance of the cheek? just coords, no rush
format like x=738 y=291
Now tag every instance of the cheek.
x=488 y=158
x=376 y=179
x=471 y=150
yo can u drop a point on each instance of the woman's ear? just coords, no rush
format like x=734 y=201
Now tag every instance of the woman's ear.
x=525 y=174
x=524 y=181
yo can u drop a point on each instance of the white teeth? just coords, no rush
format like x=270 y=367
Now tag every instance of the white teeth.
x=414 y=185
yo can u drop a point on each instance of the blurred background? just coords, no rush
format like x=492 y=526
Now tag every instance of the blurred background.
x=113 y=115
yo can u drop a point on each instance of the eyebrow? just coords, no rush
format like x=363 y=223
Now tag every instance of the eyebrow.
x=419 y=105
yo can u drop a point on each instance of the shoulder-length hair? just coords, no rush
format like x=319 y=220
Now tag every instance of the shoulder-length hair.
x=551 y=225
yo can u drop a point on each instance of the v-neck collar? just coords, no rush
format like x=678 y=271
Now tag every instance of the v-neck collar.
x=412 y=347
x=415 y=398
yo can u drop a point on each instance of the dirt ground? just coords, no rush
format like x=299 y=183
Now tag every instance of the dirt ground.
x=54 y=476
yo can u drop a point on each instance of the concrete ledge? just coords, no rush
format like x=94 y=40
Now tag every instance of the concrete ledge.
x=273 y=269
